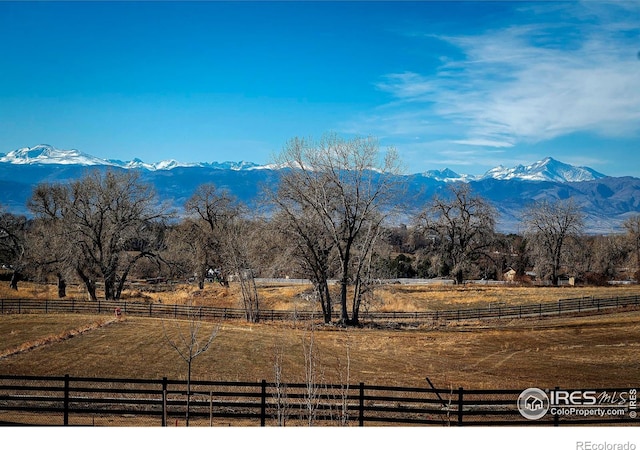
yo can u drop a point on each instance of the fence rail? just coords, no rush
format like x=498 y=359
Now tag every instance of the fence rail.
x=65 y=400
x=565 y=306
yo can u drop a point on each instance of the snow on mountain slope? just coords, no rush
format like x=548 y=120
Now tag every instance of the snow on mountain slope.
x=46 y=154
x=547 y=169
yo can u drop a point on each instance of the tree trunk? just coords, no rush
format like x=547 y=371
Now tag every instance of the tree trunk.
x=125 y=274
x=325 y=300
x=90 y=285
x=15 y=277
x=188 y=388
x=109 y=288
x=344 y=315
x=62 y=286
x=357 y=299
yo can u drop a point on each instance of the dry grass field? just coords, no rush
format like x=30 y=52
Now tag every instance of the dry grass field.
x=579 y=352
x=393 y=297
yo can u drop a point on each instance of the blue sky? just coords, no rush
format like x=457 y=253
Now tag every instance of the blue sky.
x=463 y=85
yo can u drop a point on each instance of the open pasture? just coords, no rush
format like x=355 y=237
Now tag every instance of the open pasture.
x=386 y=298
x=578 y=352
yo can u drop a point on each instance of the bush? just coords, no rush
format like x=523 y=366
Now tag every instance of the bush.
x=596 y=279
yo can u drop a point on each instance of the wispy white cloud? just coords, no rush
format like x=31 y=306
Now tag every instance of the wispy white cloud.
x=527 y=83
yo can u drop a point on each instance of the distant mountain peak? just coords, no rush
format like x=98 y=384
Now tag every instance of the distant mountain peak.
x=547 y=169
x=47 y=154
x=442 y=175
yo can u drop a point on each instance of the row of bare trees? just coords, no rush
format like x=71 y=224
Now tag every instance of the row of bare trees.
x=330 y=217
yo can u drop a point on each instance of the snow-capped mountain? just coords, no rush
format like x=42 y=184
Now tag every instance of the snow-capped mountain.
x=606 y=201
x=547 y=169
x=47 y=154
x=446 y=175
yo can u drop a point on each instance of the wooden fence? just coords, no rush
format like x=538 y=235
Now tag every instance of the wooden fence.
x=69 y=400
x=565 y=306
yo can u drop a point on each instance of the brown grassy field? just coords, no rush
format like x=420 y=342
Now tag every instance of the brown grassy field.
x=394 y=297
x=588 y=351
x=591 y=351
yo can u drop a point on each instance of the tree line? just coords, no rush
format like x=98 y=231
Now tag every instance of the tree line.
x=333 y=215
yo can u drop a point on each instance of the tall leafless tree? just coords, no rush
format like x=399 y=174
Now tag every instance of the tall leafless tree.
x=13 y=229
x=335 y=195
x=210 y=212
x=47 y=253
x=548 y=227
x=106 y=221
x=632 y=226
x=216 y=234
x=463 y=227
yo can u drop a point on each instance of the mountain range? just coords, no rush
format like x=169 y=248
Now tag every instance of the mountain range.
x=605 y=201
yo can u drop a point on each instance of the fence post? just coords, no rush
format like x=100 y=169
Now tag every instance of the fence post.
x=164 y=401
x=19 y=307
x=361 y=406
x=66 y=399
x=460 y=405
x=150 y=305
x=263 y=404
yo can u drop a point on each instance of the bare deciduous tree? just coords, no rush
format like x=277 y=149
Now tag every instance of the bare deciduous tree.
x=186 y=339
x=13 y=243
x=632 y=226
x=313 y=248
x=210 y=212
x=548 y=227
x=217 y=235
x=239 y=260
x=48 y=253
x=462 y=225
x=312 y=374
x=335 y=196
x=107 y=225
